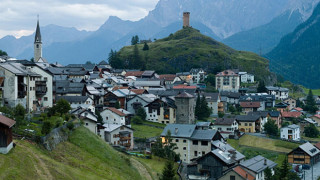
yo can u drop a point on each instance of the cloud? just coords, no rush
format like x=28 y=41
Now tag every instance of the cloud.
x=18 y=17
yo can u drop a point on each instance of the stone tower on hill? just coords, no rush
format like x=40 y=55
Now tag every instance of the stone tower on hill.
x=186 y=19
x=37 y=44
x=185 y=108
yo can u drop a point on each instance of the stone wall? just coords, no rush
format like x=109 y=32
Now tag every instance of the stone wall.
x=56 y=136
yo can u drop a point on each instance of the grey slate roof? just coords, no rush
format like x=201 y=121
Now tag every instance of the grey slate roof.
x=247 y=118
x=179 y=130
x=259 y=113
x=226 y=148
x=309 y=149
x=73 y=99
x=274 y=113
x=203 y=134
x=230 y=94
x=224 y=121
x=184 y=95
x=213 y=97
x=257 y=97
x=257 y=164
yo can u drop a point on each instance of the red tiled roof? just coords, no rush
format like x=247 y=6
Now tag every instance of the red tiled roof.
x=227 y=73
x=290 y=114
x=134 y=73
x=116 y=88
x=317 y=115
x=138 y=91
x=298 y=109
x=114 y=110
x=243 y=173
x=7 y=121
x=250 y=104
x=167 y=77
x=184 y=87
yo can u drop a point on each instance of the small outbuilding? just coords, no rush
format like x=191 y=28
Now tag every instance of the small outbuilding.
x=6 y=142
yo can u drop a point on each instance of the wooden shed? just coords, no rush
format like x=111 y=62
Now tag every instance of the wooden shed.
x=304 y=154
x=6 y=142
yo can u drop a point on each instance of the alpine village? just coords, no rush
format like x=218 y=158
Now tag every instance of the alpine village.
x=211 y=113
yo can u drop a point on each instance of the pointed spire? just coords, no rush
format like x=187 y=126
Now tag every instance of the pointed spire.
x=37 y=38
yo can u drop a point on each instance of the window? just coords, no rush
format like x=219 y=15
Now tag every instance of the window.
x=87 y=124
x=177 y=140
x=195 y=153
x=245 y=124
x=232 y=178
x=30 y=88
x=195 y=142
x=184 y=148
x=45 y=78
x=204 y=143
x=184 y=141
x=250 y=124
x=45 y=98
x=219 y=129
x=203 y=153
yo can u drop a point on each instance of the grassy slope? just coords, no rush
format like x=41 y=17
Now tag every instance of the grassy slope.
x=143 y=131
x=84 y=156
x=187 y=48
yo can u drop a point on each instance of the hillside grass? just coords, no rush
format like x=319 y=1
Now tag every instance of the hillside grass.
x=84 y=156
x=188 y=48
x=251 y=152
x=145 y=131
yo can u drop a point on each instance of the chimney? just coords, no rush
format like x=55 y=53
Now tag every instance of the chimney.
x=265 y=162
x=176 y=130
x=186 y=19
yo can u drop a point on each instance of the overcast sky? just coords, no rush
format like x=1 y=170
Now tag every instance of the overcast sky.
x=18 y=17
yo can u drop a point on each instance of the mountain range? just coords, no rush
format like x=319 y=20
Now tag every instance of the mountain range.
x=229 y=21
x=297 y=56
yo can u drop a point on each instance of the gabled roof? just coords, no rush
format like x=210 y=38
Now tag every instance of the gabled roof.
x=281 y=105
x=167 y=77
x=184 y=95
x=227 y=73
x=243 y=173
x=184 y=87
x=274 y=113
x=74 y=99
x=134 y=73
x=139 y=91
x=224 y=121
x=230 y=94
x=179 y=130
x=259 y=113
x=123 y=92
x=203 y=134
x=224 y=152
x=310 y=149
x=247 y=118
x=291 y=114
x=103 y=63
x=211 y=97
x=7 y=121
x=116 y=111
x=148 y=73
x=258 y=164
x=112 y=127
x=250 y=104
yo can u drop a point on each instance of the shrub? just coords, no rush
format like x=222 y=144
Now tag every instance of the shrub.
x=137 y=120
x=46 y=127
x=70 y=125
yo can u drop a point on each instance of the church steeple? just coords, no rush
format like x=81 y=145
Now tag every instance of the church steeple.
x=37 y=44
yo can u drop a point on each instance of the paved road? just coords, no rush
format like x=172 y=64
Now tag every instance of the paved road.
x=316 y=172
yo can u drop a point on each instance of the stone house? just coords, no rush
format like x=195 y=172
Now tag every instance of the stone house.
x=292 y=103
x=228 y=80
x=89 y=120
x=226 y=126
x=191 y=142
x=139 y=101
x=185 y=103
x=250 y=106
x=162 y=111
x=111 y=115
x=279 y=92
x=198 y=75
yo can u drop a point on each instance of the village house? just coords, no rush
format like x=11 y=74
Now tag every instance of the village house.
x=184 y=76
x=249 y=124
x=118 y=135
x=214 y=163
x=304 y=154
x=227 y=80
x=213 y=100
x=257 y=165
x=279 y=92
x=169 y=78
x=290 y=115
x=246 y=77
x=226 y=126
x=89 y=120
x=120 y=96
x=292 y=103
x=237 y=173
x=276 y=116
x=76 y=101
x=198 y=75
x=191 y=142
x=282 y=106
x=147 y=83
x=6 y=143
x=264 y=116
x=162 y=111
x=111 y=115
x=21 y=86
x=139 y=101
x=250 y=106
x=266 y=101
x=230 y=97
x=291 y=132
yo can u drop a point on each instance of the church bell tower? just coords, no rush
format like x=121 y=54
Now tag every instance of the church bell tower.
x=37 y=44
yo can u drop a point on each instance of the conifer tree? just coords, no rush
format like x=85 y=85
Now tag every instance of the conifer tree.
x=198 y=107
x=311 y=103
x=145 y=46
x=168 y=172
